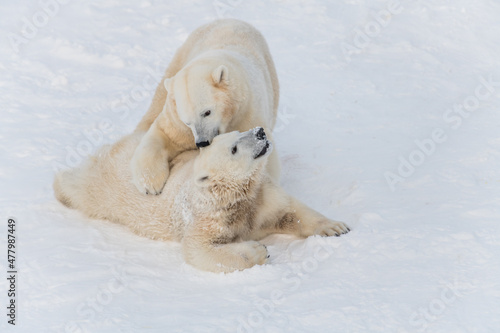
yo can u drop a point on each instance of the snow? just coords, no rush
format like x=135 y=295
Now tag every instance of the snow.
x=367 y=88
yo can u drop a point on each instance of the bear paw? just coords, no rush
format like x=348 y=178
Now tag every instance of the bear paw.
x=331 y=228
x=253 y=253
x=149 y=170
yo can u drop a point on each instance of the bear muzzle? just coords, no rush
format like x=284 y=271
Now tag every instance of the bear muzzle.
x=202 y=144
x=203 y=138
x=263 y=145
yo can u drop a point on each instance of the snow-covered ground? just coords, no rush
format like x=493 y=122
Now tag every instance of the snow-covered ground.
x=389 y=120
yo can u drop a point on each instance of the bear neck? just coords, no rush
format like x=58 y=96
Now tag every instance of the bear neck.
x=224 y=194
x=179 y=136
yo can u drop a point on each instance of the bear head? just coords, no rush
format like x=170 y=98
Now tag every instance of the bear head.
x=203 y=97
x=231 y=167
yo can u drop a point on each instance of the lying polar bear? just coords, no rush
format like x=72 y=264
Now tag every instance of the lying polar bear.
x=221 y=79
x=218 y=202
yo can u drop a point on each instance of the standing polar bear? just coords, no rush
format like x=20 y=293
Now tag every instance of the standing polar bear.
x=221 y=79
x=218 y=202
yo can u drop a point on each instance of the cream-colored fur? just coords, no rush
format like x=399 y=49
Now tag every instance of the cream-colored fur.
x=218 y=202
x=224 y=67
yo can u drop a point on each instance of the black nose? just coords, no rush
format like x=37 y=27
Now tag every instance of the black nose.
x=202 y=144
x=261 y=135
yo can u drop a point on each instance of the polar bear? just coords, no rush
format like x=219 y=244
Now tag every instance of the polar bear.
x=220 y=80
x=218 y=201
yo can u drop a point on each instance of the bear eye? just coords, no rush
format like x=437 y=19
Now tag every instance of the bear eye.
x=207 y=113
x=234 y=150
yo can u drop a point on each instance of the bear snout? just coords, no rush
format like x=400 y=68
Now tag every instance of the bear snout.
x=202 y=144
x=260 y=134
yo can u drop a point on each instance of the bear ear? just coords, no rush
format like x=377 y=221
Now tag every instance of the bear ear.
x=166 y=83
x=220 y=74
x=202 y=181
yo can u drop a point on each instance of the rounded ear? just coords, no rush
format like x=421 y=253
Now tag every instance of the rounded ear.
x=166 y=83
x=201 y=181
x=200 y=174
x=220 y=74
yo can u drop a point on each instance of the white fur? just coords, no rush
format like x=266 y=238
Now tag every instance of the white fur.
x=218 y=204
x=224 y=67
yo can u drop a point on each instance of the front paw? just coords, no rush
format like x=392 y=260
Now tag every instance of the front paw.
x=149 y=170
x=252 y=253
x=330 y=228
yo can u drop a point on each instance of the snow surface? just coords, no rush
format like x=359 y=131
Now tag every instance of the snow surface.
x=423 y=256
